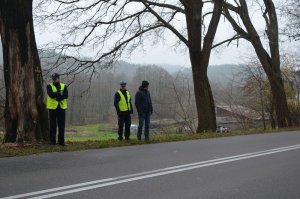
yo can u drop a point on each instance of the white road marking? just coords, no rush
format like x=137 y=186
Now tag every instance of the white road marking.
x=48 y=193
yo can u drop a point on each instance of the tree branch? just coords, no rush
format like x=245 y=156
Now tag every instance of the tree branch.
x=235 y=26
x=163 y=5
x=186 y=4
x=167 y=25
x=235 y=37
x=116 y=48
x=213 y=25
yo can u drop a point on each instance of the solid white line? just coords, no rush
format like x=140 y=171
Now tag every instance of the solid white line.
x=57 y=189
x=148 y=174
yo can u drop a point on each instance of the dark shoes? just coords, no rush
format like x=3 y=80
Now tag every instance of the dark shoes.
x=120 y=139
x=63 y=144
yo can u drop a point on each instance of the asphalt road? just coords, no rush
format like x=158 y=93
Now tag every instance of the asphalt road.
x=256 y=166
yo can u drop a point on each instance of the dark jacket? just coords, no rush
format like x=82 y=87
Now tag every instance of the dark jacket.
x=143 y=101
x=57 y=95
x=116 y=103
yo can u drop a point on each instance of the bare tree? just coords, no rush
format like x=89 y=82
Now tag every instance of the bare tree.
x=185 y=105
x=255 y=85
x=25 y=112
x=290 y=73
x=291 y=10
x=231 y=99
x=269 y=57
x=127 y=24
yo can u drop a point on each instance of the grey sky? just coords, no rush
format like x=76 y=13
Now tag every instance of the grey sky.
x=166 y=54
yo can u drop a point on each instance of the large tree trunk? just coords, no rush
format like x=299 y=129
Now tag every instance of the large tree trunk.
x=200 y=59
x=271 y=66
x=25 y=113
x=280 y=103
x=204 y=98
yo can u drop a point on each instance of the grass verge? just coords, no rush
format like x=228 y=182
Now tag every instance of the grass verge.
x=14 y=150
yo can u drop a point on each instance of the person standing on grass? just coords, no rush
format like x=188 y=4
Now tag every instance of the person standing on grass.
x=123 y=107
x=57 y=105
x=144 y=108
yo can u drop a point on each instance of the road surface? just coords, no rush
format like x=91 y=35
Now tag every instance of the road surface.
x=255 y=166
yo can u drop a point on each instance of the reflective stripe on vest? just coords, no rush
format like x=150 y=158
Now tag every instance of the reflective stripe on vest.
x=52 y=103
x=123 y=106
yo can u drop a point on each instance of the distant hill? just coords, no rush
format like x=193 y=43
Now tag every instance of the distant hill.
x=128 y=68
x=171 y=68
x=221 y=74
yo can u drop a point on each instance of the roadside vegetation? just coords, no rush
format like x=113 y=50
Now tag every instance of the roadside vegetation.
x=97 y=136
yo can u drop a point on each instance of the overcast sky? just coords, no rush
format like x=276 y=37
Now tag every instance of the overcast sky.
x=166 y=54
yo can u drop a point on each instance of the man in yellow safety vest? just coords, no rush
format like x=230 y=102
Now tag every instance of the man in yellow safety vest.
x=57 y=105
x=123 y=107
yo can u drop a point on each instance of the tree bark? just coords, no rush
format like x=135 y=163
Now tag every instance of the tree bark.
x=271 y=65
x=270 y=62
x=200 y=59
x=25 y=112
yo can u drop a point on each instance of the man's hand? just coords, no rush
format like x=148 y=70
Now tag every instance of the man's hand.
x=57 y=94
x=58 y=98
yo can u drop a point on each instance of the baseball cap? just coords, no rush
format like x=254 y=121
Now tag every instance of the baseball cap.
x=123 y=83
x=55 y=76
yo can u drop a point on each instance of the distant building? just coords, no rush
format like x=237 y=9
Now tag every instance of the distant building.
x=237 y=117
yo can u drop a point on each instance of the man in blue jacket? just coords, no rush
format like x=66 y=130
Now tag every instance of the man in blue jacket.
x=144 y=108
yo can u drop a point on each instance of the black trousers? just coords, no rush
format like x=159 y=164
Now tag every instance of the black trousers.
x=57 y=117
x=124 y=118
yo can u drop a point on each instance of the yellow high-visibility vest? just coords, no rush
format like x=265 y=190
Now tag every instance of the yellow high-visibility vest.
x=52 y=103
x=123 y=106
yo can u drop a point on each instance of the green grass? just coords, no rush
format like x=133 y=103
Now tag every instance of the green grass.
x=99 y=136
x=90 y=132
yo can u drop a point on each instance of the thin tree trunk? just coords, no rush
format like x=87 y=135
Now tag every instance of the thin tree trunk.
x=25 y=113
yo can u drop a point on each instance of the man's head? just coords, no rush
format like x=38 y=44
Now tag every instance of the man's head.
x=123 y=84
x=145 y=84
x=55 y=77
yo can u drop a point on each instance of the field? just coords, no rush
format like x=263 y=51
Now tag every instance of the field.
x=93 y=132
